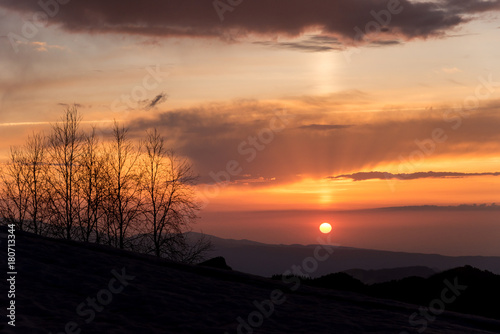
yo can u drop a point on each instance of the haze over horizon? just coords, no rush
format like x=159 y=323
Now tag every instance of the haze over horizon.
x=289 y=112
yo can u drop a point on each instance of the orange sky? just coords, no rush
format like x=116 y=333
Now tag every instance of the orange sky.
x=288 y=110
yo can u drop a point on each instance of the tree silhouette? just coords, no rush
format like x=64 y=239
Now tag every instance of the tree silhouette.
x=37 y=181
x=65 y=144
x=14 y=195
x=23 y=199
x=124 y=201
x=71 y=185
x=168 y=201
x=93 y=187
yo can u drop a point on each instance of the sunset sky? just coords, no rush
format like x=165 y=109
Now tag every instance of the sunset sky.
x=305 y=108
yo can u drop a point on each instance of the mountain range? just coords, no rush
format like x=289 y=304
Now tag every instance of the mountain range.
x=267 y=259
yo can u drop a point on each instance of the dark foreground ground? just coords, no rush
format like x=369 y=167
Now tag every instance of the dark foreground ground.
x=69 y=287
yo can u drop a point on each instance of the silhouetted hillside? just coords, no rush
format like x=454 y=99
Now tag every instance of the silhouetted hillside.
x=217 y=262
x=386 y=275
x=466 y=290
x=337 y=281
x=477 y=292
x=67 y=286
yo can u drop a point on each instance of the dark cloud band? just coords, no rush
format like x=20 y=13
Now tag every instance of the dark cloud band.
x=400 y=19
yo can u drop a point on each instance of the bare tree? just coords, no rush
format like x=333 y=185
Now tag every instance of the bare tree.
x=194 y=250
x=23 y=196
x=124 y=203
x=15 y=192
x=92 y=186
x=115 y=193
x=65 y=150
x=36 y=179
x=169 y=207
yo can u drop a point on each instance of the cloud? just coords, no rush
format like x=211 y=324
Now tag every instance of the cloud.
x=311 y=44
x=343 y=98
x=451 y=70
x=384 y=43
x=158 y=99
x=41 y=46
x=363 y=176
x=44 y=47
x=456 y=82
x=324 y=127
x=199 y=18
x=460 y=207
x=316 y=144
x=66 y=105
x=249 y=180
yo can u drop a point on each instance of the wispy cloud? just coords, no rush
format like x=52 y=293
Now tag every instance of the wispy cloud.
x=158 y=99
x=456 y=82
x=311 y=44
x=44 y=47
x=66 y=105
x=451 y=70
x=324 y=127
x=363 y=176
x=385 y=43
x=20 y=124
x=40 y=46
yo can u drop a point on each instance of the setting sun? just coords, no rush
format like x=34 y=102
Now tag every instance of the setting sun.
x=325 y=228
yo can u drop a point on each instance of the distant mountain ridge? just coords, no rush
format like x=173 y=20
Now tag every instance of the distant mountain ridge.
x=267 y=259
